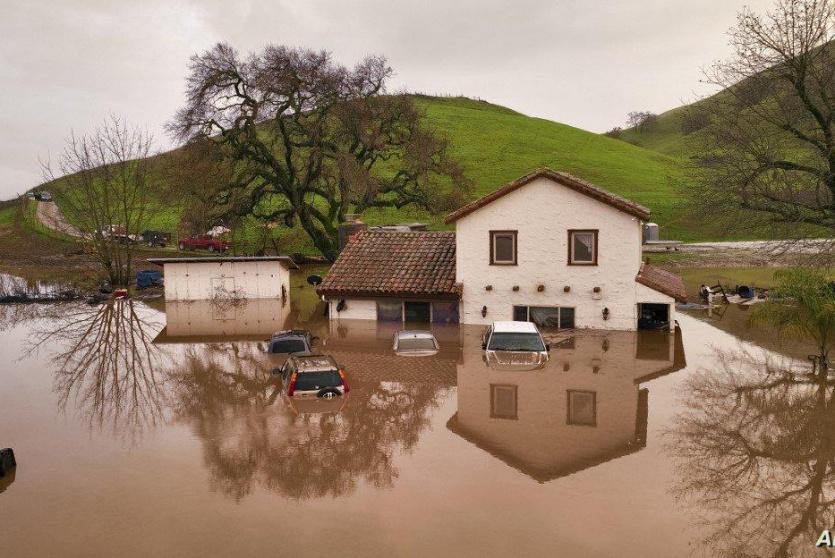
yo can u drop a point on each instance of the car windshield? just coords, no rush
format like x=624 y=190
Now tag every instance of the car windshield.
x=516 y=342
x=416 y=344
x=314 y=381
x=288 y=346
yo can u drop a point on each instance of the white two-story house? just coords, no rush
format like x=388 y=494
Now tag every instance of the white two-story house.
x=547 y=247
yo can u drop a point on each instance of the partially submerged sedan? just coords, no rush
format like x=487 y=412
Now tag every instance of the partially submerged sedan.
x=415 y=343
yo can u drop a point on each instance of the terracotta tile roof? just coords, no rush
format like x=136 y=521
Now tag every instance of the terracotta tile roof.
x=662 y=281
x=563 y=178
x=377 y=263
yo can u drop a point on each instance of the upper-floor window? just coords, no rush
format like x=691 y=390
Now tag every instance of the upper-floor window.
x=503 y=247
x=582 y=247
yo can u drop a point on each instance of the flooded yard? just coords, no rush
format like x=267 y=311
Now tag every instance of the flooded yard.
x=159 y=429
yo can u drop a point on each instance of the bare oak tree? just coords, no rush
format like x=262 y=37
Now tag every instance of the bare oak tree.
x=641 y=121
x=312 y=140
x=104 y=189
x=770 y=149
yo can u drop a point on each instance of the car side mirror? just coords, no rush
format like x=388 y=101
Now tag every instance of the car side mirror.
x=483 y=346
x=547 y=346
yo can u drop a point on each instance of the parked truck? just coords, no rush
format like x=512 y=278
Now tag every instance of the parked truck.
x=203 y=242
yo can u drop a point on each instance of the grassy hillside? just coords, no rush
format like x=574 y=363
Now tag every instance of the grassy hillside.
x=496 y=145
x=666 y=135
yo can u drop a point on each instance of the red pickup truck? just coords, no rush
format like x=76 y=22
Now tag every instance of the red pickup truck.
x=203 y=242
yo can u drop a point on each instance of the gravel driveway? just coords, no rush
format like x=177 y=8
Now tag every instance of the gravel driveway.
x=51 y=216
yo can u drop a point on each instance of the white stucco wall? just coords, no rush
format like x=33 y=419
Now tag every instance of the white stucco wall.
x=542 y=212
x=250 y=279
x=355 y=309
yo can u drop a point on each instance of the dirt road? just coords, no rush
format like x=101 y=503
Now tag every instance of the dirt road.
x=818 y=251
x=51 y=216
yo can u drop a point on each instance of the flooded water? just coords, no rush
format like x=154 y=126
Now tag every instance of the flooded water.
x=160 y=431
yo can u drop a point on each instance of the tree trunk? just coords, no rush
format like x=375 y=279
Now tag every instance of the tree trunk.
x=327 y=244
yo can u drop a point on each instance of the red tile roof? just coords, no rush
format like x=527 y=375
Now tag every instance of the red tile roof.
x=377 y=263
x=563 y=178
x=662 y=281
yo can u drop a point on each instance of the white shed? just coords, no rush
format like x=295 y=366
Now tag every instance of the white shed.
x=226 y=277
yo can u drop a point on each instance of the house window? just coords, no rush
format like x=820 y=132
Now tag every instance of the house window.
x=445 y=312
x=503 y=401
x=582 y=247
x=502 y=247
x=389 y=311
x=561 y=317
x=394 y=310
x=582 y=408
x=417 y=312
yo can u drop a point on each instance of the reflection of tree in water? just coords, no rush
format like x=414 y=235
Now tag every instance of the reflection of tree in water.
x=106 y=363
x=756 y=450
x=252 y=437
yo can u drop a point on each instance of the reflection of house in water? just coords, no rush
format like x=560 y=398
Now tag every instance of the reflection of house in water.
x=584 y=408
x=207 y=321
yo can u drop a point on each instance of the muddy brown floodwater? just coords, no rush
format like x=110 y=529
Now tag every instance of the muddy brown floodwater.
x=160 y=431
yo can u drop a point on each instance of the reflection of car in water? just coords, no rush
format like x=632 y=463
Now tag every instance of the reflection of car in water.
x=415 y=343
x=509 y=361
x=316 y=405
x=310 y=375
x=514 y=344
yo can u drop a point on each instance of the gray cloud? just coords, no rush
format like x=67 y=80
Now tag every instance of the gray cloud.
x=64 y=65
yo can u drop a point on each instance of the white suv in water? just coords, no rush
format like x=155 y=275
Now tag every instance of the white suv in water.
x=517 y=344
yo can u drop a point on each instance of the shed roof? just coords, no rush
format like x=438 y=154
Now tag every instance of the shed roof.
x=563 y=178
x=287 y=260
x=378 y=263
x=662 y=281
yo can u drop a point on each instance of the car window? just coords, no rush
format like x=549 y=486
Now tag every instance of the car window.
x=416 y=344
x=288 y=346
x=516 y=342
x=314 y=381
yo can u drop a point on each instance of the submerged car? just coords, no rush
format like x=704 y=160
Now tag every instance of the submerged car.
x=514 y=345
x=282 y=344
x=415 y=343
x=313 y=375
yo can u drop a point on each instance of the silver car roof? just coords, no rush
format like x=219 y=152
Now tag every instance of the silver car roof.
x=415 y=333
x=313 y=363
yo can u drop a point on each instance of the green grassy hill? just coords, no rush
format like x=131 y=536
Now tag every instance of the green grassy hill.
x=496 y=145
x=666 y=135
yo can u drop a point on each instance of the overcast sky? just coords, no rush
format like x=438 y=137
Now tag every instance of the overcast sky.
x=66 y=64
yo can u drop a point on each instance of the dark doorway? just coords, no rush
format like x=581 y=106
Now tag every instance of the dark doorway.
x=653 y=316
x=417 y=312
